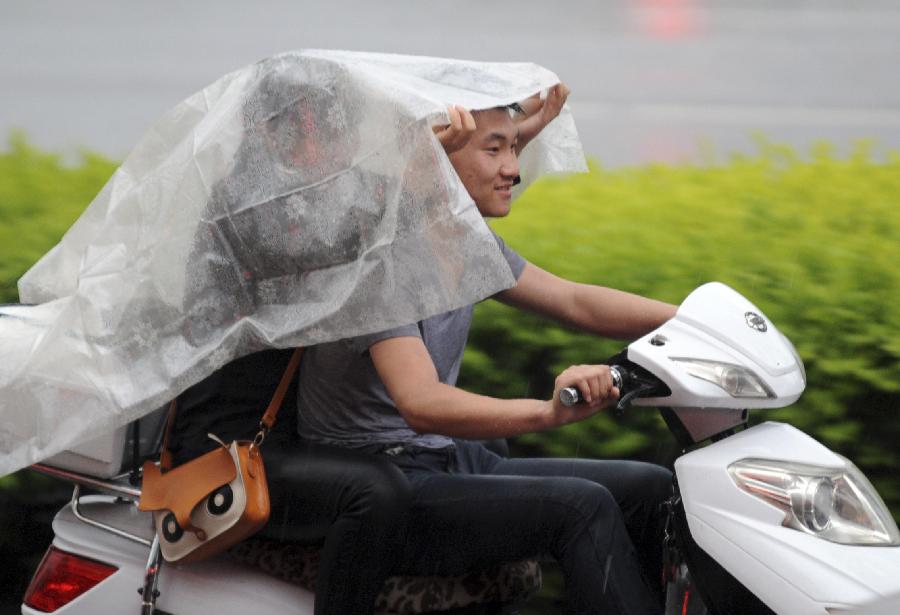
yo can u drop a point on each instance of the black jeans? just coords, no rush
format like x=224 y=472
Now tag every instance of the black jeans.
x=472 y=508
x=354 y=504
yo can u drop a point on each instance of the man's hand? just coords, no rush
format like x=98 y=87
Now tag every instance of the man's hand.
x=539 y=113
x=596 y=385
x=457 y=133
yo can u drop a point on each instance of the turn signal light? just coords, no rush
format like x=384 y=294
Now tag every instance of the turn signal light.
x=61 y=577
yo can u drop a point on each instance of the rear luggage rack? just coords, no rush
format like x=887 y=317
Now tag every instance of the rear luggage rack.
x=120 y=487
x=115 y=487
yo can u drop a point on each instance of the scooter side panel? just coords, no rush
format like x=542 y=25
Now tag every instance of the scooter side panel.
x=777 y=593
x=220 y=586
x=745 y=535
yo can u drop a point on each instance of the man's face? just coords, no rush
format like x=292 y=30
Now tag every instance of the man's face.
x=488 y=165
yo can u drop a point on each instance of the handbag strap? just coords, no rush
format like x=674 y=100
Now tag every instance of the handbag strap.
x=165 y=455
x=268 y=419
x=265 y=423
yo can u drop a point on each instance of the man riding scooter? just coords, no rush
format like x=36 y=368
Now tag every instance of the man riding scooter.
x=392 y=395
x=354 y=505
x=484 y=156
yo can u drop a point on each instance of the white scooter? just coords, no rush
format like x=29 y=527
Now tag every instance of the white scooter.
x=763 y=519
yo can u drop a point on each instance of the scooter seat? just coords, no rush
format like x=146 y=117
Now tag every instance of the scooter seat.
x=512 y=583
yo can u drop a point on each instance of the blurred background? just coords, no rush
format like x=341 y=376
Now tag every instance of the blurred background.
x=751 y=142
x=651 y=79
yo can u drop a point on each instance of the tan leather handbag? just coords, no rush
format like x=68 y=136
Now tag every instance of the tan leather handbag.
x=211 y=503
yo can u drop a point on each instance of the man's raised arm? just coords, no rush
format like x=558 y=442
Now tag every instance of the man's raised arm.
x=595 y=309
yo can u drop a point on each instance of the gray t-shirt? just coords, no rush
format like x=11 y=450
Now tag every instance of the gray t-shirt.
x=341 y=399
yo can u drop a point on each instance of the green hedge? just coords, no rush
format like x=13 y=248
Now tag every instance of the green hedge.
x=812 y=240
x=40 y=198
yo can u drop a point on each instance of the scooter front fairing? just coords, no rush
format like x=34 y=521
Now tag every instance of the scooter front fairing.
x=792 y=571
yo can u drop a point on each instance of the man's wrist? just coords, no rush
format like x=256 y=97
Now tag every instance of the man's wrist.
x=546 y=415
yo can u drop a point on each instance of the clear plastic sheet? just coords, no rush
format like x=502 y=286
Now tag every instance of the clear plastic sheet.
x=299 y=200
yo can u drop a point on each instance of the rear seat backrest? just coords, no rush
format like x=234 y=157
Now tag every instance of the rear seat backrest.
x=110 y=455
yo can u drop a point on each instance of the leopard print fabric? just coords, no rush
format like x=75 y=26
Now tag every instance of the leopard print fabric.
x=511 y=583
x=402 y=595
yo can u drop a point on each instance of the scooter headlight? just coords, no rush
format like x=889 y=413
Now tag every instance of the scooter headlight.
x=837 y=505
x=736 y=380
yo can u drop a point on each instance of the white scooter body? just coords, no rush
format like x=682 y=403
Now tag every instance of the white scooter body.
x=793 y=572
x=718 y=342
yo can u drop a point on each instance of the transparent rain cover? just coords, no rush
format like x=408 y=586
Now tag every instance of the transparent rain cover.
x=300 y=200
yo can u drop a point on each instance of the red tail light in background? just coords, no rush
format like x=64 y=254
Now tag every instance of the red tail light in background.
x=62 y=577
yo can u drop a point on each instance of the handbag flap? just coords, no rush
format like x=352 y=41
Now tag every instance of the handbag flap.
x=181 y=489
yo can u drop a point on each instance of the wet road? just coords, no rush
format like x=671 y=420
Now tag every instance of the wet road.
x=651 y=79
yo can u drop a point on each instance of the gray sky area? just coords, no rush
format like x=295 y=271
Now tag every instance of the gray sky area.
x=651 y=79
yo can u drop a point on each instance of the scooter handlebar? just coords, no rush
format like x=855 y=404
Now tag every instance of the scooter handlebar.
x=569 y=396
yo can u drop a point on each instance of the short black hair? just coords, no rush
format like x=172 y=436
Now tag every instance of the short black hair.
x=516 y=107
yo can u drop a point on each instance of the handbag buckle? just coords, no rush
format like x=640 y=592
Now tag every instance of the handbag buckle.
x=259 y=438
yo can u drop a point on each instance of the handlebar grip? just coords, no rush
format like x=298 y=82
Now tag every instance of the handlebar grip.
x=569 y=396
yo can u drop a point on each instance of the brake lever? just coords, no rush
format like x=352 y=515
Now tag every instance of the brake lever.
x=625 y=400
